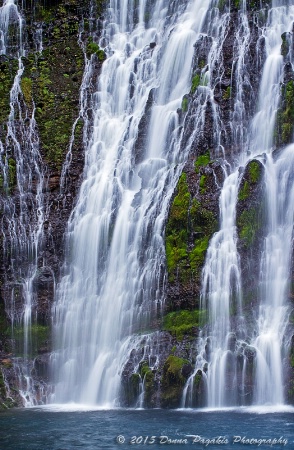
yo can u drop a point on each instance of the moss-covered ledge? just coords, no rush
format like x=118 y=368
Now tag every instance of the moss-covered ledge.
x=190 y=225
x=173 y=381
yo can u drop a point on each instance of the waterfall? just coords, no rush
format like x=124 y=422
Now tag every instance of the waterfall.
x=114 y=273
x=225 y=341
x=23 y=172
x=275 y=278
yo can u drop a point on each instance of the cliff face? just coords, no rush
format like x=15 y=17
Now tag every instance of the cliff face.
x=42 y=161
x=194 y=217
x=59 y=37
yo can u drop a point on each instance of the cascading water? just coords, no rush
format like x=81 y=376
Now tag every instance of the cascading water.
x=114 y=273
x=275 y=278
x=221 y=290
x=25 y=212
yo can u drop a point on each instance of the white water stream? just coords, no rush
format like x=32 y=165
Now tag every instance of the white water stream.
x=221 y=290
x=115 y=269
x=25 y=211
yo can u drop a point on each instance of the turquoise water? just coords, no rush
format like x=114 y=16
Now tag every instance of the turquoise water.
x=64 y=429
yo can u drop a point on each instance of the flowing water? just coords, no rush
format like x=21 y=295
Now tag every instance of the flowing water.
x=221 y=290
x=25 y=211
x=114 y=276
x=114 y=273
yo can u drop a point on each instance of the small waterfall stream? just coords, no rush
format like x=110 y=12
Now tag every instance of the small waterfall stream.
x=25 y=212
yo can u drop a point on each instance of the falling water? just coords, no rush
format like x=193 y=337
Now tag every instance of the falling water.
x=114 y=273
x=24 y=211
x=275 y=278
x=221 y=289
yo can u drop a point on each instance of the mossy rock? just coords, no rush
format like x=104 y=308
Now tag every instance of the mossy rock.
x=52 y=81
x=8 y=70
x=249 y=208
x=172 y=382
x=177 y=227
x=285 y=115
x=93 y=48
x=183 y=322
x=38 y=337
x=148 y=379
x=189 y=229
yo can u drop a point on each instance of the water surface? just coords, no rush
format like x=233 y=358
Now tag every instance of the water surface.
x=63 y=428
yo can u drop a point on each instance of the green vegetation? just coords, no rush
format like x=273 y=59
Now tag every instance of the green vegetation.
x=195 y=83
x=55 y=94
x=285 y=115
x=177 y=227
x=202 y=161
x=26 y=87
x=204 y=224
x=252 y=176
x=227 y=93
x=254 y=171
x=244 y=191
x=172 y=381
x=185 y=104
x=38 y=336
x=197 y=378
x=202 y=182
x=182 y=322
x=248 y=224
x=148 y=377
x=186 y=218
x=8 y=71
x=93 y=48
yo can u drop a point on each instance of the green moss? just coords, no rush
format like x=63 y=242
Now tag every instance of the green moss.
x=253 y=176
x=254 y=171
x=55 y=95
x=285 y=115
x=204 y=225
x=148 y=377
x=197 y=255
x=244 y=191
x=173 y=367
x=197 y=379
x=195 y=83
x=26 y=87
x=182 y=322
x=248 y=224
x=172 y=381
x=221 y=5
x=93 y=48
x=38 y=336
x=202 y=182
x=8 y=70
x=186 y=219
x=185 y=104
x=176 y=232
x=227 y=93
x=202 y=161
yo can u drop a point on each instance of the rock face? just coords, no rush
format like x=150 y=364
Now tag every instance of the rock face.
x=194 y=212
x=59 y=38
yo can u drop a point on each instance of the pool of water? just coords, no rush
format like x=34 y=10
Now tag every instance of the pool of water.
x=70 y=427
